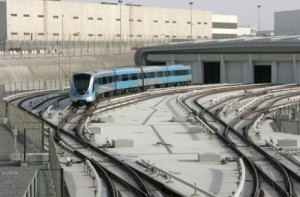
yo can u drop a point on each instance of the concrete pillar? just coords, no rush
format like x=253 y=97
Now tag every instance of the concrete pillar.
x=246 y=72
x=172 y=59
x=274 y=72
x=201 y=73
x=223 y=70
x=251 y=73
x=296 y=80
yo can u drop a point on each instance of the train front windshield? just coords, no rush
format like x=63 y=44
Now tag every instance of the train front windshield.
x=81 y=82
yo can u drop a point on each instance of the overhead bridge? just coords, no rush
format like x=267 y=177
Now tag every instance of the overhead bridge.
x=273 y=60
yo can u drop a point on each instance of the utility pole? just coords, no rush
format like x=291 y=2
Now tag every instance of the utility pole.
x=258 y=26
x=120 y=2
x=191 y=20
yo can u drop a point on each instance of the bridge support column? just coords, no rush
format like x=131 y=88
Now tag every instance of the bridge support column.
x=223 y=70
x=200 y=70
x=296 y=79
x=274 y=72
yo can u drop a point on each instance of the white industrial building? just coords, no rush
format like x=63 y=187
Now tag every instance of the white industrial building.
x=287 y=23
x=67 y=20
x=244 y=31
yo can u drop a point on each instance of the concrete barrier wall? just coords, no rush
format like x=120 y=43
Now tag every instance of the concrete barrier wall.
x=25 y=69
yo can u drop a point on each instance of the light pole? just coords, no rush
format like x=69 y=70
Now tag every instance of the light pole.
x=59 y=70
x=258 y=27
x=191 y=20
x=120 y=2
x=62 y=31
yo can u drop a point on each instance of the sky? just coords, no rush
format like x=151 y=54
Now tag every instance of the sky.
x=246 y=10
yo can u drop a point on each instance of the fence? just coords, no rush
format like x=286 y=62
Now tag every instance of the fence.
x=13 y=88
x=32 y=132
x=56 y=170
x=30 y=49
x=30 y=128
x=287 y=119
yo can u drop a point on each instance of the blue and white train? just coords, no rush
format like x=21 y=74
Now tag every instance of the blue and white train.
x=86 y=87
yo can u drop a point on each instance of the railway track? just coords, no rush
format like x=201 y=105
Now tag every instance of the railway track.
x=135 y=182
x=130 y=181
x=284 y=186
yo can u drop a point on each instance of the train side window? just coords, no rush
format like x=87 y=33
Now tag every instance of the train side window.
x=152 y=75
x=181 y=72
x=109 y=79
x=134 y=76
x=99 y=81
x=104 y=80
x=170 y=73
x=159 y=74
x=125 y=77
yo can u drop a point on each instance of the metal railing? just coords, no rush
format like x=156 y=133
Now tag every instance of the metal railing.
x=33 y=48
x=14 y=88
x=57 y=170
x=32 y=132
x=287 y=118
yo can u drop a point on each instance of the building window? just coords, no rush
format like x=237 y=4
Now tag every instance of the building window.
x=90 y=35
x=189 y=22
x=167 y=36
x=199 y=23
x=174 y=22
x=26 y=34
x=26 y=15
x=117 y=19
x=205 y=23
x=76 y=34
x=131 y=35
x=131 y=20
x=155 y=21
x=13 y=15
x=99 y=19
x=139 y=36
x=55 y=16
x=99 y=35
x=14 y=33
x=155 y=36
x=118 y=35
x=199 y=37
x=90 y=18
x=139 y=20
x=40 y=34
x=41 y=16
x=174 y=36
x=167 y=21
x=75 y=17
x=55 y=34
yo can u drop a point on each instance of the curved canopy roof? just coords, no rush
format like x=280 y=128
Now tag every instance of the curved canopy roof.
x=276 y=44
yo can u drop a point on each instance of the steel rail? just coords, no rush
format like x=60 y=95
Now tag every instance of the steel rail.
x=249 y=143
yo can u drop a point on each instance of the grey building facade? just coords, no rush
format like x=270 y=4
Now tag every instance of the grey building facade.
x=248 y=60
x=287 y=23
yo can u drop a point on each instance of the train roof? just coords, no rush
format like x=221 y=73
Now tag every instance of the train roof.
x=177 y=66
x=136 y=69
x=126 y=70
x=154 y=68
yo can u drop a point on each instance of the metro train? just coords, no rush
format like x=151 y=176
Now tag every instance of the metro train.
x=86 y=87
